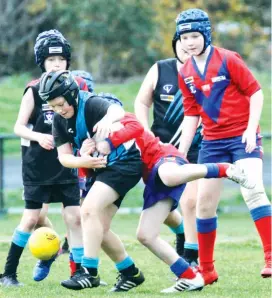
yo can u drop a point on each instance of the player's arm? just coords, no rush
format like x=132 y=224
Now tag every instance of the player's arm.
x=255 y=111
x=129 y=128
x=144 y=98
x=246 y=82
x=132 y=129
x=21 y=129
x=191 y=119
x=68 y=160
x=113 y=114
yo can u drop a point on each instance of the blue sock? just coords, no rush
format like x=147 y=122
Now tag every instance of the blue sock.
x=77 y=253
x=20 y=238
x=212 y=170
x=89 y=262
x=127 y=262
x=260 y=212
x=179 y=267
x=178 y=230
x=206 y=225
x=193 y=246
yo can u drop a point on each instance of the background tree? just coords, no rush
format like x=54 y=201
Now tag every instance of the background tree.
x=19 y=23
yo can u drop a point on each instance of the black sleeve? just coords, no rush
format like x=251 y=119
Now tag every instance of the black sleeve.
x=59 y=131
x=95 y=109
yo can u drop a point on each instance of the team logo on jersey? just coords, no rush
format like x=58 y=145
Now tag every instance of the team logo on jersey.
x=167 y=88
x=48 y=117
x=70 y=130
x=55 y=50
x=192 y=88
x=188 y=80
x=218 y=79
x=48 y=114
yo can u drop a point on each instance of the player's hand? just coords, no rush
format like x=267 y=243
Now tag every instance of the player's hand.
x=249 y=137
x=93 y=162
x=103 y=147
x=46 y=141
x=88 y=147
x=102 y=128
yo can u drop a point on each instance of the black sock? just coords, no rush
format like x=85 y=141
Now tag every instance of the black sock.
x=78 y=266
x=92 y=271
x=130 y=271
x=13 y=258
x=190 y=254
x=180 y=240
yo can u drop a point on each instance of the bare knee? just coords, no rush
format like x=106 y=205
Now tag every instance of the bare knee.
x=72 y=216
x=206 y=206
x=188 y=204
x=145 y=237
x=90 y=212
x=28 y=222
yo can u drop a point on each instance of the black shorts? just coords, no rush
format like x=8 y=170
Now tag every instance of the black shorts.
x=122 y=176
x=68 y=194
x=192 y=156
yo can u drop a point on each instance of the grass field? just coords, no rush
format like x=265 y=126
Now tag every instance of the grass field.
x=238 y=258
x=11 y=90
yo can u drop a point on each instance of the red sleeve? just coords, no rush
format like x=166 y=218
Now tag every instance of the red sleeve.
x=82 y=84
x=189 y=102
x=241 y=75
x=132 y=129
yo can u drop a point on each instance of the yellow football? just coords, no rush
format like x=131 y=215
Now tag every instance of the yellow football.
x=44 y=243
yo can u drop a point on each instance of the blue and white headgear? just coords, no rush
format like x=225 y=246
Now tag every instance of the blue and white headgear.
x=51 y=43
x=195 y=20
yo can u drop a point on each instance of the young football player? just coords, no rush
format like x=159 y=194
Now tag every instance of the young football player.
x=166 y=173
x=218 y=87
x=81 y=115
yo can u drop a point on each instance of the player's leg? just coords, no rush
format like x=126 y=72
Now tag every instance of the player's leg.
x=188 y=208
x=44 y=221
x=65 y=245
x=148 y=234
x=68 y=194
x=259 y=207
x=128 y=273
x=175 y=222
x=19 y=240
x=173 y=174
x=206 y=220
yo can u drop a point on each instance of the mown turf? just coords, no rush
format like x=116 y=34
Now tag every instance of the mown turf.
x=238 y=259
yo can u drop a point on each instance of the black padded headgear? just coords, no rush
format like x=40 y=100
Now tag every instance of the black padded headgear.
x=51 y=43
x=59 y=83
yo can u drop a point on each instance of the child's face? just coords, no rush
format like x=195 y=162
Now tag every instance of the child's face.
x=55 y=63
x=192 y=42
x=60 y=106
x=181 y=53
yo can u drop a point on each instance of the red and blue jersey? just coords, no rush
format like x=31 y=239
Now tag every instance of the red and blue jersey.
x=151 y=148
x=221 y=95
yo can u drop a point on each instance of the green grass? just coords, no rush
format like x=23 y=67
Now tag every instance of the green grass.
x=11 y=90
x=238 y=260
